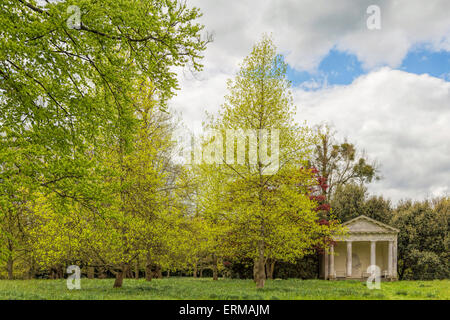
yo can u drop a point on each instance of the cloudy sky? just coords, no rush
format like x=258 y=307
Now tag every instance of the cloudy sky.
x=387 y=90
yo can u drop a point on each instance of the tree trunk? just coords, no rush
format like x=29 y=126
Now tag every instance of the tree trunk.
x=53 y=273
x=168 y=273
x=201 y=272
x=148 y=272
x=319 y=264
x=195 y=270
x=261 y=270
x=255 y=271
x=130 y=273
x=136 y=269
x=102 y=273
x=215 y=273
x=270 y=266
x=31 y=271
x=401 y=272
x=120 y=275
x=158 y=272
x=10 y=268
x=90 y=272
x=148 y=268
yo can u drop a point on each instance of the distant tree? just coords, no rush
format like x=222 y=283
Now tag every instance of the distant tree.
x=352 y=200
x=340 y=163
x=348 y=201
x=316 y=193
x=423 y=241
x=378 y=208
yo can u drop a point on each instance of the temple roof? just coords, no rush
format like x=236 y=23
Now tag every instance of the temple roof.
x=363 y=224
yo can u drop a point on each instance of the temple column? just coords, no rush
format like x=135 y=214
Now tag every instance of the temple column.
x=373 y=253
x=332 y=262
x=390 y=258
x=394 y=271
x=349 y=258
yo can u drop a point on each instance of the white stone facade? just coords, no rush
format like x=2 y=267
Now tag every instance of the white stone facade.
x=367 y=242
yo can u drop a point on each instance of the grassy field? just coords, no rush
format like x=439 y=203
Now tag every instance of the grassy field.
x=188 y=288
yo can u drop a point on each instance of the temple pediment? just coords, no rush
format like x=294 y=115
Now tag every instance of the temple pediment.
x=363 y=224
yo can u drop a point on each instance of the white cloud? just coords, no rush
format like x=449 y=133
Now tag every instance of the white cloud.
x=306 y=30
x=199 y=94
x=400 y=119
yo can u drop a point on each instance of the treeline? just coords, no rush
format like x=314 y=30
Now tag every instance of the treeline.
x=86 y=170
x=121 y=205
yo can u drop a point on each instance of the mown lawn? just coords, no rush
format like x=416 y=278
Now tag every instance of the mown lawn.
x=189 y=288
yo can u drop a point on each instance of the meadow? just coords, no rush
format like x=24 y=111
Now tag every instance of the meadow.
x=223 y=289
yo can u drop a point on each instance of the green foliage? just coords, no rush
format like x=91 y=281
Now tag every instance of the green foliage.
x=340 y=163
x=348 y=201
x=304 y=268
x=352 y=200
x=69 y=128
x=144 y=216
x=87 y=170
x=263 y=216
x=423 y=242
x=64 y=88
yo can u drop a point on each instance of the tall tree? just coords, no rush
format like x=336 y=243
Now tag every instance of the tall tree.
x=340 y=162
x=269 y=212
x=143 y=219
x=146 y=219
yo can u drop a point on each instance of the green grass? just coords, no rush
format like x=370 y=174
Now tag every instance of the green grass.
x=224 y=289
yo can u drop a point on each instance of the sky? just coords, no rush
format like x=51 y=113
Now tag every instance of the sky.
x=387 y=90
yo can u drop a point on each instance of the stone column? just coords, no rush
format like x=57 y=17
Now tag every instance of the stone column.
x=390 y=257
x=394 y=271
x=349 y=258
x=332 y=262
x=373 y=253
x=325 y=262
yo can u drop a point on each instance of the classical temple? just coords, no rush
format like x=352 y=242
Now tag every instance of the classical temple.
x=367 y=243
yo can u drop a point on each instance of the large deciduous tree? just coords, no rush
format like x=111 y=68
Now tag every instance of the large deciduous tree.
x=67 y=76
x=269 y=215
x=340 y=163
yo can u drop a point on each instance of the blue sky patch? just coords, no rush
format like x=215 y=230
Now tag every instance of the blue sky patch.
x=341 y=68
x=420 y=61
